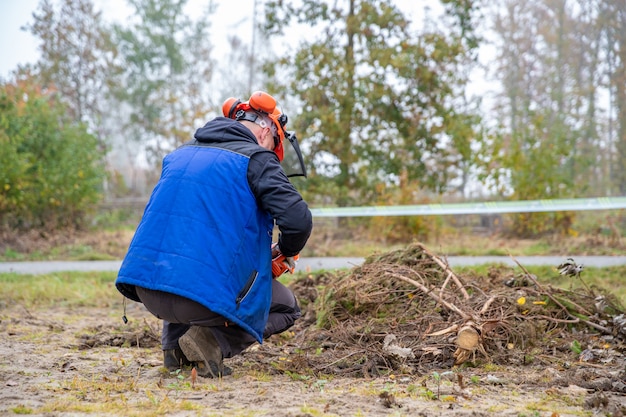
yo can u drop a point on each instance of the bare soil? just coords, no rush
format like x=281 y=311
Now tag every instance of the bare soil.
x=373 y=341
x=62 y=362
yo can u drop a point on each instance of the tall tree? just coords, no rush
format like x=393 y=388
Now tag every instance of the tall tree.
x=545 y=95
x=549 y=64
x=167 y=69
x=378 y=99
x=613 y=18
x=76 y=58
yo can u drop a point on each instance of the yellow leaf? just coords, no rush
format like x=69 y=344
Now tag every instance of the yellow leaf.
x=539 y=303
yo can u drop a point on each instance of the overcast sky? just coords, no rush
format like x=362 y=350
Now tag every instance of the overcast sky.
x=16 y=46
x=20 y=47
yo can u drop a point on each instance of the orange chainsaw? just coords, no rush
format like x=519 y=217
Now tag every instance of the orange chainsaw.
x=280 y=264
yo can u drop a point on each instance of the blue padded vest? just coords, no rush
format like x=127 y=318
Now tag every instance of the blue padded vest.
x=203 y=237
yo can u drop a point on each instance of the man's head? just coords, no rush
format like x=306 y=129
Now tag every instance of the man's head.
x=262 y=117
x=261 y=127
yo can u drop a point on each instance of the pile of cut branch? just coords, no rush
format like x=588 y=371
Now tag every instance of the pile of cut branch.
x=408 y=311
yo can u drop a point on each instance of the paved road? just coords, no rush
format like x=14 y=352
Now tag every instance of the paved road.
x=314 y=264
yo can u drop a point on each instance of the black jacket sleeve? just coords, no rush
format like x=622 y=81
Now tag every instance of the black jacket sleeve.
x=276 y=195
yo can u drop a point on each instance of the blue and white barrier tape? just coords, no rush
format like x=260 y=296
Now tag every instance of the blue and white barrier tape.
x=490 y=207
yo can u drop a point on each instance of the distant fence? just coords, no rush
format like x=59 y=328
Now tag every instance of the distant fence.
x=490 y=207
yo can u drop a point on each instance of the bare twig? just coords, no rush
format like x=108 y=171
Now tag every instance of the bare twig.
x=555 y=320
x=555 y=301
x=328 y=365
x=445 y=267
x=444 y=285
x=580 y=308
x=487 y=305
x=427 y=291
x=447 y=330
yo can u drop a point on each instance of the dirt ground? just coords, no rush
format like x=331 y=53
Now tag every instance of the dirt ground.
x=367 y=345
x=63 y=362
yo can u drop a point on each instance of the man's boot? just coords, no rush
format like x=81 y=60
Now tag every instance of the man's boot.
x=200 y=346
x=174 y=359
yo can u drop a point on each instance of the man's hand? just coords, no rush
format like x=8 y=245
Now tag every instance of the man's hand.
x=291 y=262
x=282 y=263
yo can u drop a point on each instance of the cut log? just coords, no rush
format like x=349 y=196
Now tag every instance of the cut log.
x=467 y=342
x=468 y=337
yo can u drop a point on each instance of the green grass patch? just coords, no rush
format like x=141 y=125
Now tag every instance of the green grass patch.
x=538 y=248
x=96 y=289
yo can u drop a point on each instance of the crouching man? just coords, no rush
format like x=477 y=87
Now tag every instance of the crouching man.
x=201 y=257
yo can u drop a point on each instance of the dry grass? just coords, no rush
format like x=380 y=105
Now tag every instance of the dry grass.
x=455 y=235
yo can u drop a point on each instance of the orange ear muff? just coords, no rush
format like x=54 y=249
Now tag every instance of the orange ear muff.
x=261 y=101
x=229 y=108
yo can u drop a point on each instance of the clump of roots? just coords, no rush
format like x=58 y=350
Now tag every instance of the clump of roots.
x=408 y=311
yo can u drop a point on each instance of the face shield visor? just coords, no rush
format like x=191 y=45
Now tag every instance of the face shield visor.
x=293 y=163
x=287 y=146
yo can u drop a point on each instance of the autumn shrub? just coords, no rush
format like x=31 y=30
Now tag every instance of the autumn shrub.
x=50 y=170
x=402 y=229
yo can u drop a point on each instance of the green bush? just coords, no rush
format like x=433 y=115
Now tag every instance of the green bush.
x=50 y=169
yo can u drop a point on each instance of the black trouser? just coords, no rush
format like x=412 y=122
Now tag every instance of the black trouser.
x=180 y=313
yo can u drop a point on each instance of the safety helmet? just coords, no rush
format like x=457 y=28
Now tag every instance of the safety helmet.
x=260 y=104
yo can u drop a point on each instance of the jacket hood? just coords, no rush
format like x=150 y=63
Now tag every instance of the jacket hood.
x=221 y=130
